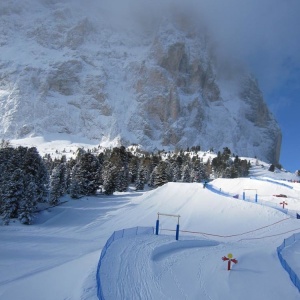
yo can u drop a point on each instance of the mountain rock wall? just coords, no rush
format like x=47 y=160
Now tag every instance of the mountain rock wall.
x=110 y=75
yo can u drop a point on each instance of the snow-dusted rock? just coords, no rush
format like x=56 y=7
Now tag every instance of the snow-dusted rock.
x=153 y=79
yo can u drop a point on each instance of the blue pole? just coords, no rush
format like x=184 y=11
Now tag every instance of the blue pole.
x=256 y=198
x=177 y=232
x=243 y=195
x=157 y=226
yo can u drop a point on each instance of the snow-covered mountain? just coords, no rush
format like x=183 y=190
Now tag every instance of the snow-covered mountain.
x=124 y=72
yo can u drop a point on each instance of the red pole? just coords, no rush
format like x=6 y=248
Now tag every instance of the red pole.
x=224 y=258
x=229 y=264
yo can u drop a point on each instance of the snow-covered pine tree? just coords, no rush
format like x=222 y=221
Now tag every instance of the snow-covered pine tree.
x=23 y=181
x=271 y=168
x=140 y=181
x=85 y=175
x=75 y=189
x=133 y=168
x=101 y=158
x=120 y=159
x=186 y=173
x=145 y=165
x=48 y=162
x=152 y=178
x=34 y=166
x=155 y=159
x=160 y=174
x=58 y=183
x=177 y=167
x=12 y=191
x=28 y=202
x=207 y=169
x=197 y=172
x=121 y=180
x=109 y=178
x=4 y=144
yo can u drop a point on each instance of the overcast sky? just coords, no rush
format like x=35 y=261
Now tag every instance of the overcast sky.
x=263 y=33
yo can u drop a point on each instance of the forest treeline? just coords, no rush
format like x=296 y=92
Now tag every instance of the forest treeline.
x=27 y=179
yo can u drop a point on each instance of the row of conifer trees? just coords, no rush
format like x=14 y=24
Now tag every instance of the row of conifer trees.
x=27 y=179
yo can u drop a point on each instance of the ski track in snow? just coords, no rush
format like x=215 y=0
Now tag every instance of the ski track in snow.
x=167 y=256
x=57 y=256
x=148 y=273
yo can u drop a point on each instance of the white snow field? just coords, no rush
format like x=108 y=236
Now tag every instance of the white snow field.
x=57 y=256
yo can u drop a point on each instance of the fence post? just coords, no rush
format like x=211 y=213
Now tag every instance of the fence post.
x=157 y=226
x=177 y=232
x=256 y=198
x=243 y=195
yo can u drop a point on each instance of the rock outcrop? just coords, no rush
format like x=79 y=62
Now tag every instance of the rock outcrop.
x=155 y=81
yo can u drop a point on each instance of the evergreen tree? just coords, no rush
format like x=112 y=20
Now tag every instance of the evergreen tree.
x=58 y=183
x=198 y=173
x=48 y=162
x=28 y=202
x=146 y=166
x=85 y=175
x=159 y=175
x=23 y=182
x=33 y=165
x=140 y=181
x=177 y=168
x=221 y=164
x=241 y=168
x=5 y=144
x=120 y=159
x=75 y=189
x=272 y=168
x=12 y=191
x=133 y=169
x=109 y=178
x=186 y=173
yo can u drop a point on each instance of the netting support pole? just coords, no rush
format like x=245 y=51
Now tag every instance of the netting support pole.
x=177 y=232
x=157 y=226
x=243 y=195
x=256 y=198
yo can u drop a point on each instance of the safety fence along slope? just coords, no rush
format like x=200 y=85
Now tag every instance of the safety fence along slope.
x=286 y=243
x=115 y=236
x=272 y=181
x=252 y=199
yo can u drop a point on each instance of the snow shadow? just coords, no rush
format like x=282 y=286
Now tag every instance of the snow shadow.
x=164 y=251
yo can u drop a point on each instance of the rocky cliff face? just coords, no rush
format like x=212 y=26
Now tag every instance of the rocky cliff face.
x=105 y=73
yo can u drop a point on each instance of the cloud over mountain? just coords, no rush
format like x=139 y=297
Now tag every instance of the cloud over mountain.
x=130 y=72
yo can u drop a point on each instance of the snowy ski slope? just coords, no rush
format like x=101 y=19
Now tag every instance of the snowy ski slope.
x=56 y=258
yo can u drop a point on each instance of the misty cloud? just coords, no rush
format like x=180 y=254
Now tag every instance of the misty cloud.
x=263 y=34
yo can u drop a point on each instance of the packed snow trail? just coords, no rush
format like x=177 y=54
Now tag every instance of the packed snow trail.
x=57 y=256
x=153 y=261
x=161 y=271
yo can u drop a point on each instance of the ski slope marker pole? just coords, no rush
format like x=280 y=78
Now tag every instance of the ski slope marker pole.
x=229 y=259
x=283 y=203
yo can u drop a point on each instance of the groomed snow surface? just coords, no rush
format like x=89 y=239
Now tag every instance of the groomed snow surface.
x=57 y=256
